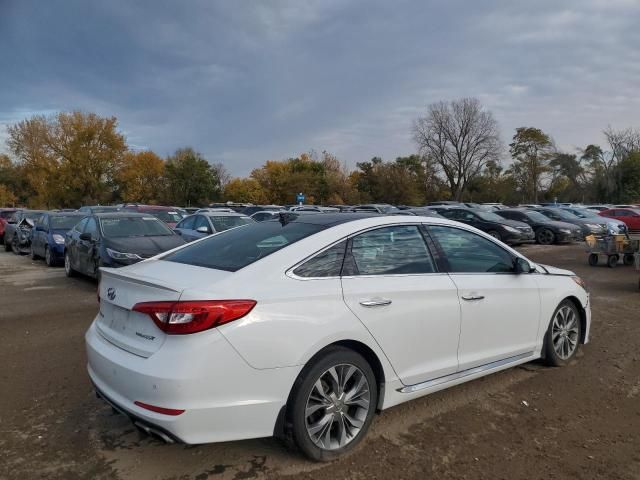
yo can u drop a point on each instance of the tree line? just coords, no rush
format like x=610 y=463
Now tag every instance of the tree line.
x=76 y=158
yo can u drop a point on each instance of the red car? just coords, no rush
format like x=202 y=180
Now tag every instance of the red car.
x=630 y=216
x=169 y=215
x=5 y=213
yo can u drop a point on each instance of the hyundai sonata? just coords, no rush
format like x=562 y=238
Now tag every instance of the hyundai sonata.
x=306 y=326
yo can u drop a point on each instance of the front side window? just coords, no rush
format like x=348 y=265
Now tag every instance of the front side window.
x=80 y=226
x=187 y=223
x=391 y=251
x=92 y=228
x=325 y=264
x=467 y=252
x=201 y=222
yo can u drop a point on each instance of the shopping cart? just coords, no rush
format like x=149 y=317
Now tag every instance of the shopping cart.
x=614 y=247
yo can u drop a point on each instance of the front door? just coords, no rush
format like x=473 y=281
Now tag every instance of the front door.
x=500 y=309
x=391 y=284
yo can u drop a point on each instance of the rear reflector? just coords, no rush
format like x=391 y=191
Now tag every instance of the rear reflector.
x=180 y=318
x=162 y=410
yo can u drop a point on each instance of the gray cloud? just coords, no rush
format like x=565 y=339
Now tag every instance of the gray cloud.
x=244 y=82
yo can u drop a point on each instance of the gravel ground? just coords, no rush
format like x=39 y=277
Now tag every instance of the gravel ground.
x=530 y=422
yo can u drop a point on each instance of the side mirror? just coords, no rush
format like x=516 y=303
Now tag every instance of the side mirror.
x=522 y=266
x=85 y=236
x=203 y=230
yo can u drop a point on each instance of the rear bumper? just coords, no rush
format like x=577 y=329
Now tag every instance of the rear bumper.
x=223 y=397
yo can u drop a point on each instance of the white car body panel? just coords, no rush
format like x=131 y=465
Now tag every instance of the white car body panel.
x=419 y=329
x=233 y=381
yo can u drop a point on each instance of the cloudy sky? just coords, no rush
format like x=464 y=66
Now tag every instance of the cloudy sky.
x=247 y=81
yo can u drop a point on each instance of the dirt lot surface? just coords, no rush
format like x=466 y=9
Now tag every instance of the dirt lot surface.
x=582 y=421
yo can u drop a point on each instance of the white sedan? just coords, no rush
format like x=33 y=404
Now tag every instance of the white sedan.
x=308 y=325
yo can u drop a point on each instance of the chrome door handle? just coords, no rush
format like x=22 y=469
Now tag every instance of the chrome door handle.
x=375 y=303
x=472 y=297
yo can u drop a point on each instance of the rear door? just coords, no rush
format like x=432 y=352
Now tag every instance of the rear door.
x=500 y=309
x=391 y=284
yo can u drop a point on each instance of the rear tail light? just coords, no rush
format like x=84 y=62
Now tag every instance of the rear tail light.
x=179 y=318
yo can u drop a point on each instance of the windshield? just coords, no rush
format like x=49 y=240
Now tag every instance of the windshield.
x=133 y=227
x=389 y=209
x=165 y=216
x=537 y=217
x=237 y=248
x=489 y=217
x=583 y=213
x=64 y=223
x=225 y=223
x=564 y=214
x=7 y=214
x=104 y=209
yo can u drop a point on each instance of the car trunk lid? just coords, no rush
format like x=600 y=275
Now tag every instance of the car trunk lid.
x=150 y=281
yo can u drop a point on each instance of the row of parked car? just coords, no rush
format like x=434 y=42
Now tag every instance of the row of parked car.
x=83 y=240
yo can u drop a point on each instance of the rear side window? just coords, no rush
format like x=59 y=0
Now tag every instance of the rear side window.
x=236 y=248
x=467 y=252
x=390 y=251
x=325 y=264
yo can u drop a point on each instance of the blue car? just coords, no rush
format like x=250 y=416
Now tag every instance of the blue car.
x=47 y=238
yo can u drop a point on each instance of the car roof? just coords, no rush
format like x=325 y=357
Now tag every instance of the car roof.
x=221 y=214
x=118 y=214
x=67 y=214
x=329 y=219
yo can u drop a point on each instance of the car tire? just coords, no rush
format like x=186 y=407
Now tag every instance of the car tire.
x=15 y=247
x=32 y=253
x=593 y=259
x=495 y=234
x=628 y=259
x=324 y=423
x=612 y=261
x=562 y=340
x=7 y=246
x=68 y=270
x=48 y=258
x=545 y=237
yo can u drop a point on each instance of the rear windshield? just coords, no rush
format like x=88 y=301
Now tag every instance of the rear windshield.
x=64 y=223
x=147 y=226
x=239 y=247
x=225 y=223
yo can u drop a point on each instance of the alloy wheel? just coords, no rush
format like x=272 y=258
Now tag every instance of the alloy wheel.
x=337 y=406
x=564 y=332
x=545 y=237
x=47 y=256
x=67 y=263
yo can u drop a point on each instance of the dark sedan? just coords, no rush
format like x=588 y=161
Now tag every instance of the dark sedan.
x=547 y=231
x=115 y=240
x=589 y=226
x=508 y=231
x=47 y=238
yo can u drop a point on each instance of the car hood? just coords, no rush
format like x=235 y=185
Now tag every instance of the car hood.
x=556 y=271
x=144 y=246
x=557 y=224
x=514 y=223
